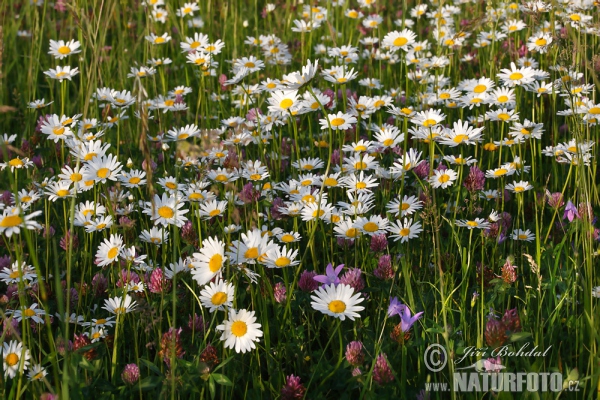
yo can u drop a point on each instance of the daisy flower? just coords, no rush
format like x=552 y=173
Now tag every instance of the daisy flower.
x=119 y=305
x=339 y=121
x=62 y=49
x=345 y=229
x=479 y=223
x=428 y=119
x=188 y=9
x=443 y=179
x=407 y=206
x=519 y=234
x=518 y=187
x=240 y=331
x=516 y=76
x=154 y=39
x=338 y=301
x=211 y=209
x=36 y=373
x=166 y=210
x=102 y=168
x=209 y=261
x=133 y=178
x=282 y=102
x=503 y=115
x=32 y=312
x=109 y=250
x=288 y=237
x=281 y=257
x=62 y=73
x=308 y=164
x=404 y=230
x=37 y=104
x=14 y=357
x=217 y=295
x=504 y=170
x=373 y=225
x=399 y=40
x=12 y=220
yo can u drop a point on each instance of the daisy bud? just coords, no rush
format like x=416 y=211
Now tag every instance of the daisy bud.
x=130 y=374
x=165 y=147
x=245 y=23
x=129 y=163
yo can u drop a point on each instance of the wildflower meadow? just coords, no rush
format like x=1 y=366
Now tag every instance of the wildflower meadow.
x=324 y=199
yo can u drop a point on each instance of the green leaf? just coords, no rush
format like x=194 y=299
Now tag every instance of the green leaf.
x=223 y=363
x=221 y=379
x=515 y=337
x=150 y=366
x=211 y=387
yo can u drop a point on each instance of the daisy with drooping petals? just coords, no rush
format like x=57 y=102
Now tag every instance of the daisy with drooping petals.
x=109 y=250
x=240 y=331
x=119 y=305
x=217 y=295
x=338 y=301
x=479 y=223
x=155 y=235
x=154 y=39
x=518 y=187
x=62 y=73
x=209 y=262
x=281 y=257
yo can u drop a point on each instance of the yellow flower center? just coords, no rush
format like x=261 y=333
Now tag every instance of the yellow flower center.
x=444 y=178
x=218 y=298
x=251 y=253
x=480 y=88
x=460 y=138
x=360 y=165
x=76 y=177
x=404 y=232
x=239 y=328
x=11 y=360
x=286 y=103
x=159 y=40
x=287 y=238
x=215 y=263
x=134 y=180
x=62 y=192
x=371 y=227
x=472 y=223
x=331 y=182
x=309 y=198
x=215 y=212
x=503 y=117
x=103 y=173
x=64 y=50
x=445 y=96
x=594 y=110
x=166 y=212
x=249 y=64
x=522 y=236
x=29 y=313
x=337 y=306
x=352 y=233
x=255 y=177
x=337 y=121
x=500 y=172
x=318 y=213
x=400 y=41
x=541 y=42
x=16 y=162
x=282 y=262
x=388 y=142
x=515 y=76
x=429 y=122
x=221 y=178
x=112 y=253
x=100 y=226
